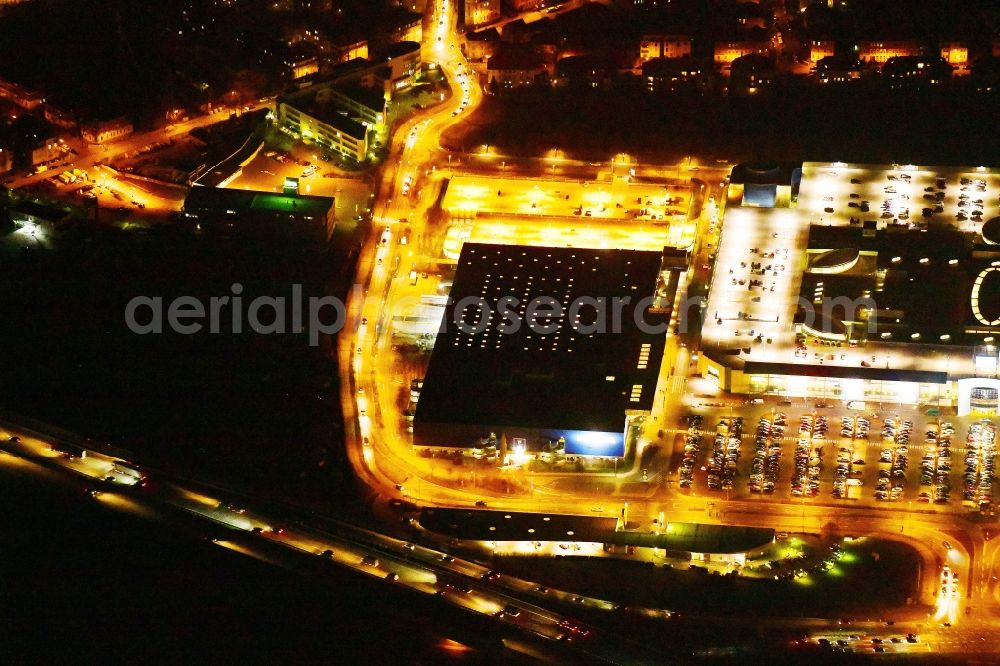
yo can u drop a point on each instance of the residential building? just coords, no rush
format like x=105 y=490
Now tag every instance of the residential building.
x=366 y=105
x=46 y=151
x=986 y=74
x=480 y=12
x=319 y=123
x=23 y=97
x=105 y=131
x=879 y=52
x=399 y=66
x=672 y=73
x=727 y=52
x=819 y=49
x=956 y=54
x=410 y=31
x=481 y=44
x=586 y=71
x=839 y=69
x=664 y=46
x=60 y=117
x=349 y=49
x=906 y=71
x=302 y=65
x=514 y=67
x=750 y=74
x=752 y=15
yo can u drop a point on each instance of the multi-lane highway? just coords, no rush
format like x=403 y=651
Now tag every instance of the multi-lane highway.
x=283 y=535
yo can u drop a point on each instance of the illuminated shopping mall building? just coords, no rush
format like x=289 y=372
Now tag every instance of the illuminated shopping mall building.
x=869 y=283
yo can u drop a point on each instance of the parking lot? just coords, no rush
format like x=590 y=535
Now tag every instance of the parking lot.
x=914 y=196
x=756 y=280
x=830 y=454
x=317 y=176
x=618 y=199
x=566 y=232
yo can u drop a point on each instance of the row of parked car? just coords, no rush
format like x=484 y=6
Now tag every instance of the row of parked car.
x=767 y=452
x=894 y=459
x=980 y=453
x=967 y=202
x=845 y=476
x=725 y=454
x=808 y=456
x=935 y=466
x=854 y=427
x=692 y=442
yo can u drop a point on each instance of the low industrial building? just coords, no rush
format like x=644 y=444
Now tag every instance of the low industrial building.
x=509 y=529
x=260 y=215
x=578 y=378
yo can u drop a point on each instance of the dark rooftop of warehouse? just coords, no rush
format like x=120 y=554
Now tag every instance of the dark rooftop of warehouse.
x=488 y=525
x=568 y=379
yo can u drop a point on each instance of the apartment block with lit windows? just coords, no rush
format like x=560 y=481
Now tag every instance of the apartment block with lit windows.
x=879 y=52
x=481 y=12
x=664 y=46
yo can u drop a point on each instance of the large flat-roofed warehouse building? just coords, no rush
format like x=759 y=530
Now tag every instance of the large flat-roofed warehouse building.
x=583 y=373
x=263 y=215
